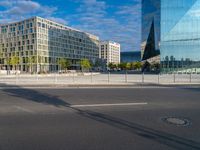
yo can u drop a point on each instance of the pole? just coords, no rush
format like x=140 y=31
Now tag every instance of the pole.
x=158 y=78
x=109 y=77
x=91 y=77
x=143 y=77
x=174 y=78
x=16 y=78
x=126 y=77
x=56 y=79
x=73 y=78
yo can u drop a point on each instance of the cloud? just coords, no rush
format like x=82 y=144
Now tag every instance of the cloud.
x=58 y=20
x=122 y=25
x=5 y=3
x=129 y=10
x=19 y=9
x=109 y=22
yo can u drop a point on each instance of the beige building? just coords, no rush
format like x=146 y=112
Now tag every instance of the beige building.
x=46 y=41
x=110 y=51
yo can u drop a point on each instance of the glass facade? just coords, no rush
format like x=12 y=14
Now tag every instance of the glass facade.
x=150 y=29
x=180 y=36
x=130 y=56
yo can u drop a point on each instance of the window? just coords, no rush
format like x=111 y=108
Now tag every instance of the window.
x=39 y=24
x=43 y=25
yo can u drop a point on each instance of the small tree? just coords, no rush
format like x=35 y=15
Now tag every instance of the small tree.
x=63 y=63
x=137 y=65
x=123 y=66
x=30 y=61
x=15 y=61
x=8 y=62
x=128 y=66
x=1 y=59
x=85 y=64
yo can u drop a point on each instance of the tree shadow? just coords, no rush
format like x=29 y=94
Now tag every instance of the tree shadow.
x=161 y=137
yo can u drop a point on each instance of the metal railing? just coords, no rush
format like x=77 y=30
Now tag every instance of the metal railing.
x=100 y=78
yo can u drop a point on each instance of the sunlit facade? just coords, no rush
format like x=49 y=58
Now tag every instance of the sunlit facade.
x=110 y=51
x=46 y=41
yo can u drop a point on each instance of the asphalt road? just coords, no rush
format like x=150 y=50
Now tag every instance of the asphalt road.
x=99 y=119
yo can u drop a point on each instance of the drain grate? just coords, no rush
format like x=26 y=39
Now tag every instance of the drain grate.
x=176 y=121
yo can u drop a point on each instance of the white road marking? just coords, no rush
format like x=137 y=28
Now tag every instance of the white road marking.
x=104 y=105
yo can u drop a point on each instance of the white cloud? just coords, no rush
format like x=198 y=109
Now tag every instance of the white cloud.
x=92 y=16
x=121 y=26
x=5 y=3
x=20 y=9
x=59 y=20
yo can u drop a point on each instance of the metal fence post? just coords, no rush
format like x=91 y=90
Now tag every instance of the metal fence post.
x=73 y=78
x=109 y=77
x=126 y=77
x=174 y=77
x=16 y=78
x=143 y=77
x=91 y=77
x=37 y=77
x=56 y=79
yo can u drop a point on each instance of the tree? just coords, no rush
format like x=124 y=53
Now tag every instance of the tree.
x=112 y=66
x=136 y=65
x=30 y=61
x=15 y=61
x=85 y=64
x=123 y=66
x=1 y=59
x=155 y=66
x=63 y=63
x=128 y=66
x=8 y=62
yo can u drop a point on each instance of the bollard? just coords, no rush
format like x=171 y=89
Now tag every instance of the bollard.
x=159 y=78
x=190 y=77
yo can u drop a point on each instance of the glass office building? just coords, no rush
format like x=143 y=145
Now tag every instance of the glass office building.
x=150 y=45
x=129 y=57
x=180 y=35
x=178 y=28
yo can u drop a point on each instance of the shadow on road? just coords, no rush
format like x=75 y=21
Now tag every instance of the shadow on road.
x=134 y=128
x=33 y=95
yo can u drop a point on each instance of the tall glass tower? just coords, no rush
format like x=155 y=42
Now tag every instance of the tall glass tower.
x=173 y=27
x=150 y=45
x=180 y=35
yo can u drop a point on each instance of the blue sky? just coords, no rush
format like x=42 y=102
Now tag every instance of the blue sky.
x=117 y=20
